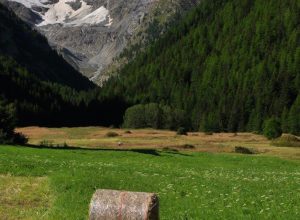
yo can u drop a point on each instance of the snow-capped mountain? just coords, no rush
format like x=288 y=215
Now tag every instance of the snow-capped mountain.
x=67 y=12
x=91 y=33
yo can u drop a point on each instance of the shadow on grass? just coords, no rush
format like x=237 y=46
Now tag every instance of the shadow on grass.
x=174 y=152
x=152 y=152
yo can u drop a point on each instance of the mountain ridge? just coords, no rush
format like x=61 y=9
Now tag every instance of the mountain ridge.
x=92 y=47
x=43 y=87
x=30 y=49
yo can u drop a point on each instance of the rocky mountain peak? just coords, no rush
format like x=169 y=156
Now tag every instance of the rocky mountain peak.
x=91 y=33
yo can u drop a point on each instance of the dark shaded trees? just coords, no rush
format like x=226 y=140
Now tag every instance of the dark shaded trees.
x=44 y=89
x=7 y=121
x=272 y=128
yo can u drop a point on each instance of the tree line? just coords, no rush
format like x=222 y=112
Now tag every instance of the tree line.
x=230 y=65
x=42 y=87
x=46 y=103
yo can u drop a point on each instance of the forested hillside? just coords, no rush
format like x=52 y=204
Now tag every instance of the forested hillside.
x=229 y=65
x=31 y=50
x=42 y=87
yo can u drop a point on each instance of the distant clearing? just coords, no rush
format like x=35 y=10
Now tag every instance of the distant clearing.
x=96 y=137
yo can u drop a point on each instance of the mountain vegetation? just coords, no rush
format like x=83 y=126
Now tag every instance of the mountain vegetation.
x=230 y=65
x=155 y=116
x=272 y=129
x=42 y=88
x=32 y=51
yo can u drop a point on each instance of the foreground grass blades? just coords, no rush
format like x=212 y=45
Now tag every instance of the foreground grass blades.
x=190 y=185
x=24 y=197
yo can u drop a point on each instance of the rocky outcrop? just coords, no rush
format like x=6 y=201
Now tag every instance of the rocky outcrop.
x=89 y=34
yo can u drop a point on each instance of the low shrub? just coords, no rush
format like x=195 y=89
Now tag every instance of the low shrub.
x=182 y=131
x=46 y=143
x=287 y=140
x=15 y=138
x=187 y=146
x=244 y=150
x=111 y=134
x=208 y=133
x=20 y=138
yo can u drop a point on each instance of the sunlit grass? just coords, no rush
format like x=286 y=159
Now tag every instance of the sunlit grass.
x=24 y=197
x=96 y=137
x=190 y=185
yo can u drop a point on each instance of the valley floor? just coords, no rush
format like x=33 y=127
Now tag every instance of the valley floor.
x=97 y=138
x=46 y=183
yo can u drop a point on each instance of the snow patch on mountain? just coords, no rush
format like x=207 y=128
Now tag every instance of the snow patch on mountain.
x=95 y=17
x=30 y=3
x=61 y=12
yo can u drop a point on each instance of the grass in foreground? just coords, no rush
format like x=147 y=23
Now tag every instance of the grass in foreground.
x=190 y=185
x=24 y=197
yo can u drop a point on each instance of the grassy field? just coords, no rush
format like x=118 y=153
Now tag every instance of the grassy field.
x=43 y=183
x=95 y=137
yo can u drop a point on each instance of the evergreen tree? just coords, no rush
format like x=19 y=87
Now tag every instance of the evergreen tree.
x=294 y=118
x=272 y=128
x=7 y=121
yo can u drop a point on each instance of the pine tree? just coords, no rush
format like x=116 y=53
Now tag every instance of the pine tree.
x=294 y=118
x=7 y=121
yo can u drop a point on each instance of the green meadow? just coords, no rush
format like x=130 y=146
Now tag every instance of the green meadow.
x=44 y=183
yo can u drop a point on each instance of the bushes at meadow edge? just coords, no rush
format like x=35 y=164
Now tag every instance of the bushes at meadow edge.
x=159 y=116
x=154 y=116
x=272 y=128
x=8 y=124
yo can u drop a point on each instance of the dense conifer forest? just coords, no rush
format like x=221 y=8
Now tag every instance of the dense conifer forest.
x=229 y=65
x=42 y=87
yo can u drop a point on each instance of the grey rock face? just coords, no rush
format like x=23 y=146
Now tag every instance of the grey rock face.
x=23 y=12
x=91 y=47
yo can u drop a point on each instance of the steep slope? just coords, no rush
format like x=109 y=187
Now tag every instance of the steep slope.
x=91 y=33
x=32 y=51
x=230 y=65
x=43 y=87
x=51 y=104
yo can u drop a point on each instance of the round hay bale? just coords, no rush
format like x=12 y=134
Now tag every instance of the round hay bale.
x=113 y=204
